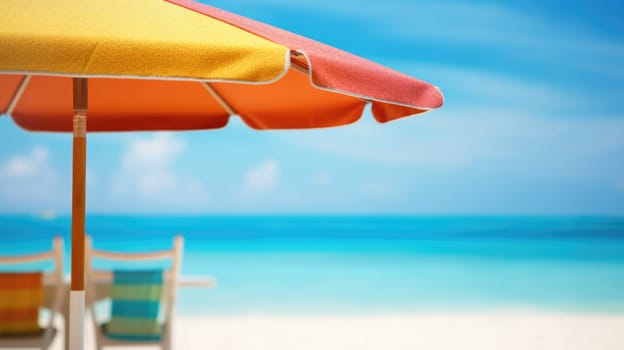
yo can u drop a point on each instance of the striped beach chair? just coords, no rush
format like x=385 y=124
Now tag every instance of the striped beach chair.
x=24 y=294
x=21 y=296
x=142 y=301
x=135 y=298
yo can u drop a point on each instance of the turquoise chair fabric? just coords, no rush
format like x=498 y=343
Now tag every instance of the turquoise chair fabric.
x=136 y=298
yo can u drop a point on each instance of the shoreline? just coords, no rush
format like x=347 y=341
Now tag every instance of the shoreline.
x=517 y=329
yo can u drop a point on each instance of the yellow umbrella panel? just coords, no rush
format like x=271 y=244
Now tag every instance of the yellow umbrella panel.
x=129 y=38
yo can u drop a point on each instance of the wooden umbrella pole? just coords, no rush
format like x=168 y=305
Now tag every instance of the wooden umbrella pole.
x=77 y=293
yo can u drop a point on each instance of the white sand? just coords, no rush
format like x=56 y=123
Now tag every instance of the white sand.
x=489 y=330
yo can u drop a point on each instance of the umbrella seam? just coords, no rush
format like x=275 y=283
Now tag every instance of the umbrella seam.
x=18 y=94
x=220 y=100
x=156 y=77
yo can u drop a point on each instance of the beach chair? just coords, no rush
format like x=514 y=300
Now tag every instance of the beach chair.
x=142 y=300
x=24 y=294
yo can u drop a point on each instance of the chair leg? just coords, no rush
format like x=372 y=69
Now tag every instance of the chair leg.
x=166 y=341
x=99 y=342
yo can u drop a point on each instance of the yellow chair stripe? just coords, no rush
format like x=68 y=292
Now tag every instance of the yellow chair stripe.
x=20 y=298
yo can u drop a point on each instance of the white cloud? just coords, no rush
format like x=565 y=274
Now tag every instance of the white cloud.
x=262 y=178
x=26 y=166
x=146 y=165
x=495 y=89
x=157 y=152
x=147 y=173
x=29 y=181
x=389 y=144
x=458 y=138
x=492 y=120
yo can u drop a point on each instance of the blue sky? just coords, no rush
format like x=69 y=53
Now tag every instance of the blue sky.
x=532 y=124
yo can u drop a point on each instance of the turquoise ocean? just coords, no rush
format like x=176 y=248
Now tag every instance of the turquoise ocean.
x=367 y=264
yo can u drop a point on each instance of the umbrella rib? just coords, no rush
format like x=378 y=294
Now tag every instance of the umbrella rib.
x=219 y=98
x=18 y=94
x=300 y=69
x=306 y=71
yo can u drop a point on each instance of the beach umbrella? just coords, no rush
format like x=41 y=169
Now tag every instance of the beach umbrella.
x=124 y=65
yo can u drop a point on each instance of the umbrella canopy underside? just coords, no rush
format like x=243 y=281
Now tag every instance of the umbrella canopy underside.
x=135 y=104
x=181 y=65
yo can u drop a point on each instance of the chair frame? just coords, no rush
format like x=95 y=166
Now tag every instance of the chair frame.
x=97 y=293
x=52 y=302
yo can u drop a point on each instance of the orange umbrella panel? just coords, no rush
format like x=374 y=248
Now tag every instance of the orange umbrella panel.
x=46 y=104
